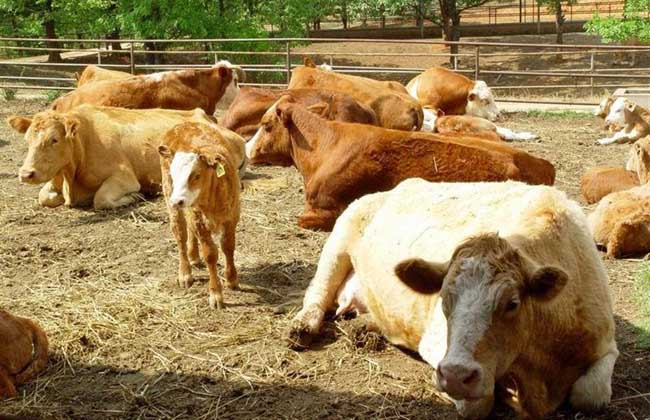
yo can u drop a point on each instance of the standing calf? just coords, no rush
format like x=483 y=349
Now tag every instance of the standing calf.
x=201 y=186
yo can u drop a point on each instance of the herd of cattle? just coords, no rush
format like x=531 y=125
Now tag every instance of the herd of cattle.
x=477 y=263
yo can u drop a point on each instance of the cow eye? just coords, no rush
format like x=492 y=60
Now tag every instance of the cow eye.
x=54 y=140
x=512 y=306
x=195 y=176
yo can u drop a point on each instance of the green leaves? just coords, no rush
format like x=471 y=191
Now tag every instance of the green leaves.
x=634 y=26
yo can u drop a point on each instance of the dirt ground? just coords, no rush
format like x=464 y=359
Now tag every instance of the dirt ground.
x=127 y=343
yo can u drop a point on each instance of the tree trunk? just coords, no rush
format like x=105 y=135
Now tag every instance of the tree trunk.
x=451 y=27
x=222 y=7
x=344 y=14
x=115 y=34
x=50 y=32
x=559 y=22
x=382 y=21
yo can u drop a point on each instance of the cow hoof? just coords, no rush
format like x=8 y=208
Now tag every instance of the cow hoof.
x=185 y=281
x=300 y=337
x=215 y=301
x=233 y=285
x=197 y=264
x=304 y=327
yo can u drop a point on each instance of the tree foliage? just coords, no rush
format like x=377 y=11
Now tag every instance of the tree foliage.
x=634 y=26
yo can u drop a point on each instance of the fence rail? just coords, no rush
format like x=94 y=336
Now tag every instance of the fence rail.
x=473 y=58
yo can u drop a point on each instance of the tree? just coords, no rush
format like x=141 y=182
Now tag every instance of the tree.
x=555 y=6
x=633 y=26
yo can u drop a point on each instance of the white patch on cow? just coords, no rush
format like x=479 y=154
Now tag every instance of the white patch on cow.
x=433 y=344
x=223 y=63
x=252 y=143
x=325 y=67
x=632 y=163
x=600 y=109
x=413 y=90
x=350 y=297
x=430 y=118
x=157 y=77
x=180 y=171
x=510 y=135
x=483 y=105
x=616 y=114
x=621 y=137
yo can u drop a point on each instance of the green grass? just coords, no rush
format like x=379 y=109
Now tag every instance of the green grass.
x=558 y=114
x=52 y=95
x=9 y=94
x=642 y=299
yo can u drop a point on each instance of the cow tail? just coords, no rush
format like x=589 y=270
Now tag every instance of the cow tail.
x=40 y=354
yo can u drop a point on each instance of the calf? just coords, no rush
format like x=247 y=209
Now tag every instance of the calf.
x=201 y=186
x=453 y=93
x=94 y=73
x=23 y=352
x=525 y=311
x=249 y=106
x=436 y=121
x=97 y=155
x=636 y=122
x=183 y=90
x=340 y=162
x=621 y=222
x=389 y=100
x=605 y=107
x=597 y=182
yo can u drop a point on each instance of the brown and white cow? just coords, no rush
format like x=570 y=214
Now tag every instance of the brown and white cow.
x=250 y=104
x=393 y=106
x=201 y=182
x=597 y=182
x=513 y=303
x=182 y=90
x=102 y=156
x=453 y=93
x=634 y=119
x=23 y=352
x=604 y=108
x=94 y=73
x=435 y=121
x=340 y=162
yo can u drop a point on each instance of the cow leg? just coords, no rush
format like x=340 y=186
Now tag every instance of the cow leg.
x=180 y=231
x=193 y=249
x=120 y=189
x=593 y=390
x=317 y=219
x=228 y=248
x=510 y=135
x=210 y=255
x=621 y=137
x=51 y=195
x=7 y=388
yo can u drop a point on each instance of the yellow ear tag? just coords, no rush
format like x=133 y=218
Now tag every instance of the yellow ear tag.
x=221 y=171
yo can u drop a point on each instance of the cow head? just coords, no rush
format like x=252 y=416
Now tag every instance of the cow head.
x=50 y=137
x=488 y=291
x=616 y=114
x=603 y=107
x=480 y=102
x=431 y=115
x=639 y=159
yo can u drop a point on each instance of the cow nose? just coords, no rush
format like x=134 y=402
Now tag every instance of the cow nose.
x=26 y=175
x=178 y=203
x=459 y=380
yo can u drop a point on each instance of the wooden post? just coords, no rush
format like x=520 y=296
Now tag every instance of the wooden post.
x=288 y=61
x=216 y=58
x=131 y=57
x=592 y=67
x=477 y=55
x=99 y=54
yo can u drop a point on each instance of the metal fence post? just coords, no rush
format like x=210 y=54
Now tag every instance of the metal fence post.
x=99 y=54
x=592 y=67
x=477 y=55
x=132 y=59
x=288 y=61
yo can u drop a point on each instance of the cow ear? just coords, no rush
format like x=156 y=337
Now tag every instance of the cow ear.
x=322 y=109
x=223 y=71
x=546 y=283
x=71 y=125
x=471 y=96
x=421 y=276
x=440 y=113
x=630 y=106
x=19 y=124
x=308 y=62
x=216 y=161
x=284 y=114
x=164 y=151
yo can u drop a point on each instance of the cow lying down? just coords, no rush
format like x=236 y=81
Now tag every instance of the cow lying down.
x=340 y=162
x=23 y=352
x=634 y=119
x=435 y=121
x=98 y=155
x=498 y=286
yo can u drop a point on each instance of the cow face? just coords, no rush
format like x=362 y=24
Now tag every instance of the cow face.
x=50 y=137
x=488 y=291
x=603 y=107
x=616 y=116
x=431 y=115
x=480 y=102
x=271 y=144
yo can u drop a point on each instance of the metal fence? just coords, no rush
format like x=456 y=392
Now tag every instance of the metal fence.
x=475 y=59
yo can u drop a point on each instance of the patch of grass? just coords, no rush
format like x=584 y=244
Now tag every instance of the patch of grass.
x=558 y=114
x=642 y=299
x=9 y=94
x=52 y=95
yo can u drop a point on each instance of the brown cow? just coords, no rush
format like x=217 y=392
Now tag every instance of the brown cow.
x=454 y=93
x=94 y=73
x=201 y=184
x=23 y=352
x=523 y=315
x=634 y=118
x=597 y=182
x=182 y=90
x=390 y=100
x=250 y=104
x=341 y=162
x=102 y=156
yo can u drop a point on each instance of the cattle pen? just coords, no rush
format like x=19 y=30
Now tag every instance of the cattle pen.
x=522 y=71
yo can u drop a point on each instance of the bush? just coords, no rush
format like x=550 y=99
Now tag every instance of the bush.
x=9 y=94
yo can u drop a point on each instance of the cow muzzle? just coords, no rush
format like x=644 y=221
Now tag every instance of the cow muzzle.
x=460 y=381
x=28 y=176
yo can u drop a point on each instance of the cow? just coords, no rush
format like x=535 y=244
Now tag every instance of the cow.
x=182 y=90
x=635 y=122
x=102 y=156
x=246 y=111
x=597 y=182
x=238 y=76
x=201 y=183
x=340 y=162
x=639 y=159
x=454 y=93
x=393 y=106
x=23 y=352
x=498 y=286
x=604 y=108
x=621 y=222
x=94 y=73
x=435 y=121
